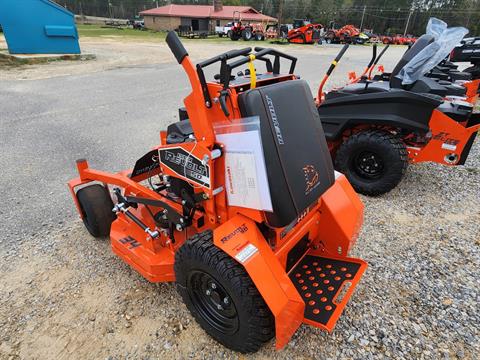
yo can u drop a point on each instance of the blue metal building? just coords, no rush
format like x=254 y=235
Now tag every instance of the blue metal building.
x=38 y=27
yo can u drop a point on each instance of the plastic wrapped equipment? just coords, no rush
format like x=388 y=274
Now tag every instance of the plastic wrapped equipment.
x=434 y=53
x=436 y=27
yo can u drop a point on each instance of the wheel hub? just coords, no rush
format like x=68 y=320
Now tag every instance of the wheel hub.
x=368 y=164
x=213 y=302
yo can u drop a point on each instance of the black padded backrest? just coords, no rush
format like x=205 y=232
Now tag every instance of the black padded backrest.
x=422 y=42
x=299 y=166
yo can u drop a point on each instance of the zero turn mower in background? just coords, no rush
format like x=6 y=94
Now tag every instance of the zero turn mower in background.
x=374 y=129
x=246 y=275
x=468 y=51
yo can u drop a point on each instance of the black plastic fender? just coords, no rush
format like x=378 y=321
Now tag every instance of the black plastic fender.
x=399 y=109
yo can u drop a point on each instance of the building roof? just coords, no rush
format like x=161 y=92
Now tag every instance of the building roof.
x=207 y=11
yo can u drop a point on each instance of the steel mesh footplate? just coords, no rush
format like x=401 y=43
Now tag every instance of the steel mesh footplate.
x=325 y=285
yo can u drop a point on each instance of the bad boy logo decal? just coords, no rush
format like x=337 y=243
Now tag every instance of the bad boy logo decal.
x=311 y=178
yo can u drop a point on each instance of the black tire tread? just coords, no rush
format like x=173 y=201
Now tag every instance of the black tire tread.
x=379 y=137
x=261 y=322
x=244 y=34
x=96 y=205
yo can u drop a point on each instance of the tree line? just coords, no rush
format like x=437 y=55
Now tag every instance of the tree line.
x=381 y=16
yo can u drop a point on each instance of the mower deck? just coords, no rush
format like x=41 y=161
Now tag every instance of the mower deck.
x=326 y=284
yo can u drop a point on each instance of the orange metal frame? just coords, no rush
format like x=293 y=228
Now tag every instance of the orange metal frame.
x=447 y=142
x=472 y=90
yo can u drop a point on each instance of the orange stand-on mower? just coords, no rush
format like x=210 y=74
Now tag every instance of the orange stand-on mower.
x=246 y=275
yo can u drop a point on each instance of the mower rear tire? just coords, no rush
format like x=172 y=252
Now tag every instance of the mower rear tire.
x=374 y=161
x=96 y=205
x=221 y=296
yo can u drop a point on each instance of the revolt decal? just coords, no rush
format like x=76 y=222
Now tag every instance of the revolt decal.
x=185 y=165
x=276 y=124
x=240 y=230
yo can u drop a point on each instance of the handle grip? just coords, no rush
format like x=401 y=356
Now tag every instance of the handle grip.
x=381 y=54
x=261 y=51
x=225 y=56
x=374 y=56
x=342 y=52
x=337 y=59
x=234 y=53
x=176 y=46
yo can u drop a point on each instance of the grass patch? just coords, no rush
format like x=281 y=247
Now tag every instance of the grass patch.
x=98 y=31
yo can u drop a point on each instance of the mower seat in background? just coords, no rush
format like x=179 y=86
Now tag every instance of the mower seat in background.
x=363 y=88
x=299 y=166
x=422 y=86
x=422 y=42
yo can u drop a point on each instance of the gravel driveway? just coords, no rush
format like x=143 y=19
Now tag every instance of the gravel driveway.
x=65 y=295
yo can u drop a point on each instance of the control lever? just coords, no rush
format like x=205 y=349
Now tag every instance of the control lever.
x=223 y=102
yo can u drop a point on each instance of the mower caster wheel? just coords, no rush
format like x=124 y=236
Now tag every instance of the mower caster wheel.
x=221 y=296
x=374 y=161
x=96 y=205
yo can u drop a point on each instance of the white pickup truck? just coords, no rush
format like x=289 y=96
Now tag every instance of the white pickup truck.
x=223 y=30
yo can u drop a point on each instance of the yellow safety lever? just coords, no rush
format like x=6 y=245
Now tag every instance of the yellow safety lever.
x=253 y=74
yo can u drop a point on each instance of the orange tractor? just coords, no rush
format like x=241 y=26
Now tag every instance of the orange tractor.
x=348 y=34
x=304 y=32
x=247 y=274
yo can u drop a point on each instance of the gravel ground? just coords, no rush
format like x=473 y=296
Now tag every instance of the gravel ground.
x=65 y=295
